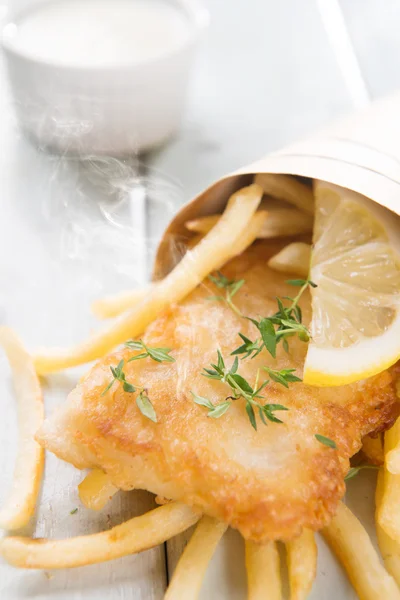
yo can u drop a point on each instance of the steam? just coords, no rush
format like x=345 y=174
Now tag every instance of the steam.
x=111 y=214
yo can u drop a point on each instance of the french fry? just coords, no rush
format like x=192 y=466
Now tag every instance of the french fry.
x=203 y=225
x=28 y=472
x=287 y=188
x=263 y=571
x=161 y=500
x=302 y=564
x=392 y=457
x=189 y=573
x=96 y=490
x=390 y=549
x=249 y=235
x=353 y=547
x=214 y=249
x=294 y=259
x=135 y=535
x=388 y=515
x=372 y=449
x=281 y=222
x=113 y=306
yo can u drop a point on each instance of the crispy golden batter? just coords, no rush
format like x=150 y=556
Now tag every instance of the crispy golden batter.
x=268 y=484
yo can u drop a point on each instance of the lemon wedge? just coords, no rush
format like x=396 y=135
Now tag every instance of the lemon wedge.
x=355 y=263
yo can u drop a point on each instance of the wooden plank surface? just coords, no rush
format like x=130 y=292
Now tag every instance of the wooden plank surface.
x=65 y=238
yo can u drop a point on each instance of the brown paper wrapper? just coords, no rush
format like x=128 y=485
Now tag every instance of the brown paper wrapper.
x=360 y=152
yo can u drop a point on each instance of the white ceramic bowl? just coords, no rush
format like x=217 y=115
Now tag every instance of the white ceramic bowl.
x=103 y=110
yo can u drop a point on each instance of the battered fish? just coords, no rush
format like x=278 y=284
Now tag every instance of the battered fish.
x=268 y=483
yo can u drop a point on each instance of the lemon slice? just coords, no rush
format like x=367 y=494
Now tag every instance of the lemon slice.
x=356 y=307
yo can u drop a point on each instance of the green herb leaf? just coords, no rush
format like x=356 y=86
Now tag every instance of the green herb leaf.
x=235 y=287
x=293 y=378
x=134 y=345
x=108 y=387
x=292 y=324
x=251 y=415
x=302 y=282
x=221 y=363
x=256 y=394
x=157 y=354
x=138 y=356
x=248 y=348
x=297 y=282
x=219 y=410
x=128 y=387
x=353 y=471
x=268 y=335
x=118 y=375
x=243 y=349
x=262 y=417
x=282 y=310
x=119 y=368
x=272 y=407
x=326 y=441
x=304 y=336
x=298 y=313
x=160 y=354
x=211 y=374
x=231 y=287
x=269 y=409
x=277 y=377
x=284 y=377
x=202 y=401
x=235 y=366
x=73 y=511
x=242 y=383
x=271 y=417
x=146 y=407
x=220 y=280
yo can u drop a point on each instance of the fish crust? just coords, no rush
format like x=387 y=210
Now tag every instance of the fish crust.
x=268 y=483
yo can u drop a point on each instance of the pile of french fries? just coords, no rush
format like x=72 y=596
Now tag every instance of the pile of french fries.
x=273 y=206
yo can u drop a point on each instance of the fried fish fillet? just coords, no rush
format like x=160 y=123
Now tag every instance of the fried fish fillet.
x=268 y=483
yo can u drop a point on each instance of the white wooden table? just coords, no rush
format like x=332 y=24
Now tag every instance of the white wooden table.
x=268 y=72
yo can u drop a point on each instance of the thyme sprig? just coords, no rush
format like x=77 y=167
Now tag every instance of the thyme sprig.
x=353 y=471
x=239 y=388
x=119 y=376
x=157 y=354
x=231 y=287
x=284 y=376
x=322 y=439
x=286 y=322
x=142 y=400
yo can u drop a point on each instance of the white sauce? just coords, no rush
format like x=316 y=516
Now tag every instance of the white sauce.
x=99 y=32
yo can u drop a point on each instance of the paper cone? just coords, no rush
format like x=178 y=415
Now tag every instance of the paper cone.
x=360 y=152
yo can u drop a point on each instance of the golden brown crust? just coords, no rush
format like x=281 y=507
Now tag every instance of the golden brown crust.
x=268 y=484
